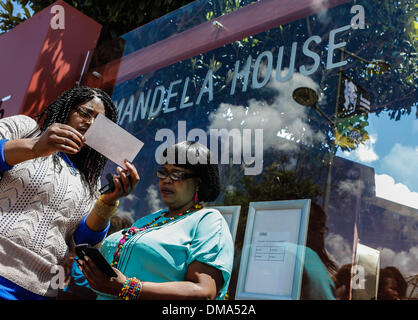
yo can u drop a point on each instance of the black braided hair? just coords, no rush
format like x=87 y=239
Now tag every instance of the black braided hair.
x=197 y=159
x=89 y=162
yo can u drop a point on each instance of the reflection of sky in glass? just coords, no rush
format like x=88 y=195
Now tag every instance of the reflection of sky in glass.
x=391 y=151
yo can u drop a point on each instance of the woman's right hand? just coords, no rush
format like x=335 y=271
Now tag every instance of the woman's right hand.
x=58 y=137
x=123 y=185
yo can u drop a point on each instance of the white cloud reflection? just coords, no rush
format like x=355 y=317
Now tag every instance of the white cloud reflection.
x=321 y=6
x=153 y=199
x=283 y=120
x=402 y=164
x=129 y=215
x=388 y=189
x=406 y=260
x=352 y=187
x=365 y=152
x=339 y=248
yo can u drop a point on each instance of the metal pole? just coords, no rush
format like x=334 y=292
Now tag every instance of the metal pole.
x=327 y=194
x=354 y=56
x=323 y=114
x=78 y=83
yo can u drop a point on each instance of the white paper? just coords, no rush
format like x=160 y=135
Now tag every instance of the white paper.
x=112 y=141
x=271 y=264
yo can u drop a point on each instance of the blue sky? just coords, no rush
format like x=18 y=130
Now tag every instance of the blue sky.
x=393 y=152
x=18 y=9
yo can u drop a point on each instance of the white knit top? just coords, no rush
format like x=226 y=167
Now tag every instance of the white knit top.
x=40 y=208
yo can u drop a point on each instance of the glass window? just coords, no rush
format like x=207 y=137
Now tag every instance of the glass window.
x=326 y=105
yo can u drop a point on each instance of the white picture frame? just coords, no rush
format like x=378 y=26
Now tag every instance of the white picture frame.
x=231 y=215
x=273 y=251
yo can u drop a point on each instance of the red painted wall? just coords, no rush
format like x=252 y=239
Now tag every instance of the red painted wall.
x=38 y=63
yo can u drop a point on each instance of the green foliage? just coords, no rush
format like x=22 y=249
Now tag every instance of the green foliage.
x=393 y=36
x=351 y=132
x=116 y=17
x=276 y=183
x=9 y=20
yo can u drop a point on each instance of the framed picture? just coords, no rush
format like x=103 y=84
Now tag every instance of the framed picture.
x=273 y=251
x=231 y=215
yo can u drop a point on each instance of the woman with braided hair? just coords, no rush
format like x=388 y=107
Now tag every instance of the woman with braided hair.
x=49 y=198
x=184 y=251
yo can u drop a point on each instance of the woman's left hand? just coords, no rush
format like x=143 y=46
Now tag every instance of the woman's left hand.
x=100 y=281
x=123 y=184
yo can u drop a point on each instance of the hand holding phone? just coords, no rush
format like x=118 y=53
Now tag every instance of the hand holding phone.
x=94 y=254
x=111 y=185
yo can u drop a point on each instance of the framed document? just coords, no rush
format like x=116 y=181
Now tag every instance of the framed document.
x=273 y=251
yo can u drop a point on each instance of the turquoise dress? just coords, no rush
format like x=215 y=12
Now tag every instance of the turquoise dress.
x=163 y=254
x=317 y=284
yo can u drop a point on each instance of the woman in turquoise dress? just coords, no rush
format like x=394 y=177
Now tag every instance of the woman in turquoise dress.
x=182 y=252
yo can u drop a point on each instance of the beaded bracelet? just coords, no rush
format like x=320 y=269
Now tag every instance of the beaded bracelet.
x=104 y=210
x=131 y=289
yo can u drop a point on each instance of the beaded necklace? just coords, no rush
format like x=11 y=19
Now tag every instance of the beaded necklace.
x=128 y=233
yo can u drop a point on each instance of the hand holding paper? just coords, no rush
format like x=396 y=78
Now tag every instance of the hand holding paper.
x=118 y=145
x=112 y=141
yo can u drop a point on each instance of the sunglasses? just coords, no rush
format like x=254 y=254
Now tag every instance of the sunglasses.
x=174 y=175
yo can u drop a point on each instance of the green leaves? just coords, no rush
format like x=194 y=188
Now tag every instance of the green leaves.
x=351 y=132
x=8 y=6
x=27 y=13
x=209 y=15
x=8 y=20
x=276 y=183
